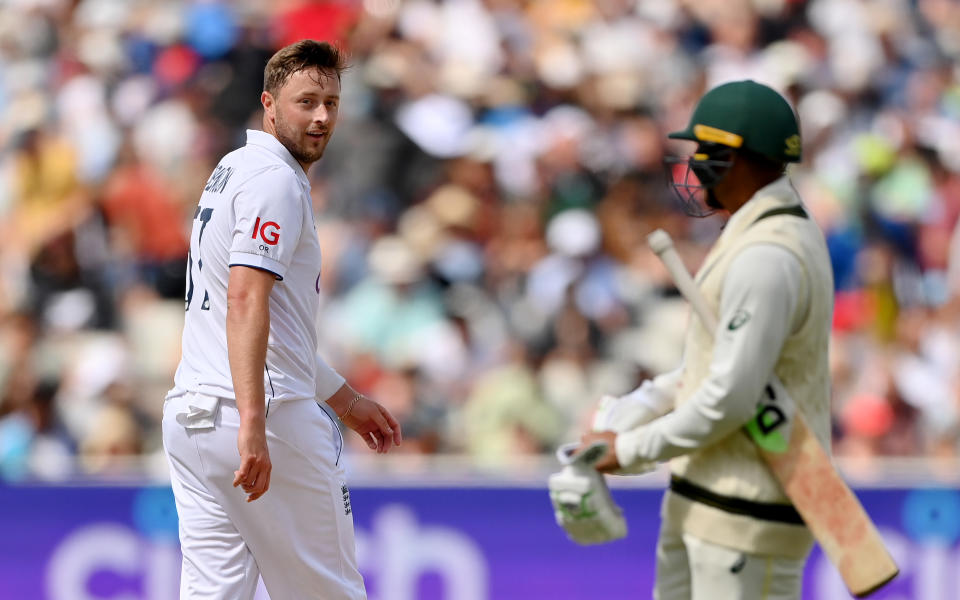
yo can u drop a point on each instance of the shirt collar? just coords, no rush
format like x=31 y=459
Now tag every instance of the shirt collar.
x=273 y=145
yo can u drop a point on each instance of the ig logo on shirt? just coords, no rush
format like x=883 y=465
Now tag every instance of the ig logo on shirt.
x=269 y=232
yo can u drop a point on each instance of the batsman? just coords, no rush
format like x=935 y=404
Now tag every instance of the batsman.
x=728 y=530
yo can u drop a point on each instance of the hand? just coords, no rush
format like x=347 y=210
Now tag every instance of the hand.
x=608 y=462
x=255 y=466
x=378 y=428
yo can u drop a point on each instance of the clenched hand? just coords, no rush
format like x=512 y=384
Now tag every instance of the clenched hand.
x=608 y=462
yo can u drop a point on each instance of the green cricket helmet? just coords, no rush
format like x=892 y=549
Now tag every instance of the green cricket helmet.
x=737 y=116
x=746 y=114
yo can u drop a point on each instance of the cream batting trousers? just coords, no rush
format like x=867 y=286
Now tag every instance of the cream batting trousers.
x=689 y=568
x=298 y=536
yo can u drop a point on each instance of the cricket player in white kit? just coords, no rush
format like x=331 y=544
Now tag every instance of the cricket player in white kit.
x=251 y=393
x=728 y=529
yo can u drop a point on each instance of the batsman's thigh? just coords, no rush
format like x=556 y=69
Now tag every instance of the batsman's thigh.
x=673 y=568
x=720 y=572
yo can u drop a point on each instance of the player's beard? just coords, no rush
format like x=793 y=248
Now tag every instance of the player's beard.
x=297 y=143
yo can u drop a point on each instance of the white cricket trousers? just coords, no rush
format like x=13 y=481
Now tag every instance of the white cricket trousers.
x=298 y=536
x=689 y=568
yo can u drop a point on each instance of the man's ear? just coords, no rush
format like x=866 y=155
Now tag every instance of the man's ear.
x=267 y=100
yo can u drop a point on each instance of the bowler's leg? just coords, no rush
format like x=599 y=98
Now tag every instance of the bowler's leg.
x=301 y=531
x=216 y=561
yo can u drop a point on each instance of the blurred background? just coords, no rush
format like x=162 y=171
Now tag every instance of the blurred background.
x=482 y=210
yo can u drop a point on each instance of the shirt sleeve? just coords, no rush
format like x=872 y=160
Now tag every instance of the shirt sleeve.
x=658 y=395
x=327 y=379
x=269 y=217
x=763 y=301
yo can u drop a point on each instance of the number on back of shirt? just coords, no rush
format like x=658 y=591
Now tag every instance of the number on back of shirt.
x=204 y=215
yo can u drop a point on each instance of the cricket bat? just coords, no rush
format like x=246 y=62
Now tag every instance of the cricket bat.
x=800 y=463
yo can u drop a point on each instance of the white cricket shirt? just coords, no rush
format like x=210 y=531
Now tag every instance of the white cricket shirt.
x=256 y=211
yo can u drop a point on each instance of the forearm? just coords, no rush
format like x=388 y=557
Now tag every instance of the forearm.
x=341 y=400
x=248 y=328
x=711 y=414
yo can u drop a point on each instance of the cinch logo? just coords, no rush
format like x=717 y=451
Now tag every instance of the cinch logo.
x=268 y=232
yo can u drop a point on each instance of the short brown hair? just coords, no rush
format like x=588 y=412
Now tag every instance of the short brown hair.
x=305 y=54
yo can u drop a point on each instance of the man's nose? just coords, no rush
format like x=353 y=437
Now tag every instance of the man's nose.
x=321 y=114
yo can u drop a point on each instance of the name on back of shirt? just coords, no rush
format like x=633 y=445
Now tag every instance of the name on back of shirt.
x=218 y=180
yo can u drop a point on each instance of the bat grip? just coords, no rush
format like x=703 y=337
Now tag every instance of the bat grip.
x=662 y=245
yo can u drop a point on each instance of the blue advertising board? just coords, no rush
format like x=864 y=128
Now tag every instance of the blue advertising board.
x=427 y=543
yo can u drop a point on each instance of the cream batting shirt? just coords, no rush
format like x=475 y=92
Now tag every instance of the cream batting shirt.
x=766 y=283
x=255 y=211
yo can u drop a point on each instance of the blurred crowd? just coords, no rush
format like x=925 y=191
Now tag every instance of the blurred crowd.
x=482 y=208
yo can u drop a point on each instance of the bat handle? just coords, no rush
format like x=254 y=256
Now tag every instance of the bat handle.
x=660 y=242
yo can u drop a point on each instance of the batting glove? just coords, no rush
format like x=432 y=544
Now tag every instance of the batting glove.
x=581 y=500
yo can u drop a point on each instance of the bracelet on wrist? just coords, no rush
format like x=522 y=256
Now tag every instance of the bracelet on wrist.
x=346 y=413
